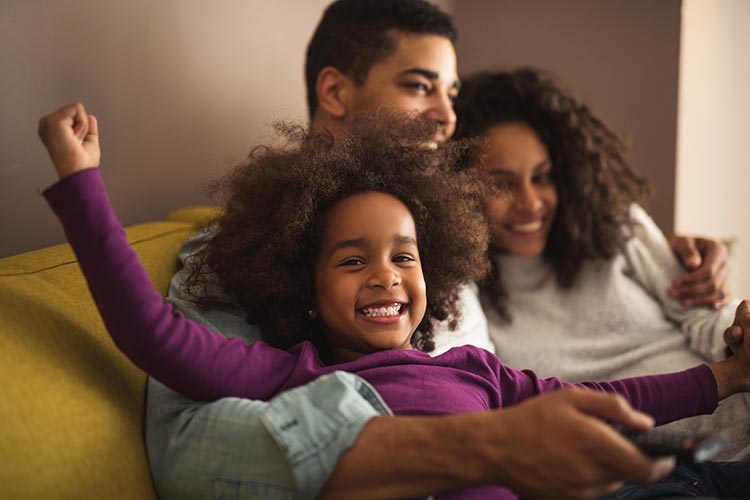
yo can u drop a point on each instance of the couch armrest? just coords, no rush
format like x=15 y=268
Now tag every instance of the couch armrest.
x=72 y=408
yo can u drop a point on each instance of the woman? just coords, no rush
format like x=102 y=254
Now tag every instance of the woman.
x=580 y=272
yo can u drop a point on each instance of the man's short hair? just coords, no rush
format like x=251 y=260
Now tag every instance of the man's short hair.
x=355 y=34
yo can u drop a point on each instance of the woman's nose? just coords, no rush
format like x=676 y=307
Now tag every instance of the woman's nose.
x=526 y=198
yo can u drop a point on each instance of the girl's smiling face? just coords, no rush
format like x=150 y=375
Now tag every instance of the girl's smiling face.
x=522 y=213
x=370 y=293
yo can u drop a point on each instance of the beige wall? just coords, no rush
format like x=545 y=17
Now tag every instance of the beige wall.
x=620 y=56
x=182 y=88
x=713 y=147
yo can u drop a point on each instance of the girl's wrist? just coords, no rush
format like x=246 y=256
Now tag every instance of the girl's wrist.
x=730 y=377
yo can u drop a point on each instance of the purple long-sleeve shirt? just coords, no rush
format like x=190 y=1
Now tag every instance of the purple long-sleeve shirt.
x=203 y=365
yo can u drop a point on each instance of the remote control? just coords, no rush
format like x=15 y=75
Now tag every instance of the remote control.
x=663 y=442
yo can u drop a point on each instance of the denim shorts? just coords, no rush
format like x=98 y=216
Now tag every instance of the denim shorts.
x=689 y=480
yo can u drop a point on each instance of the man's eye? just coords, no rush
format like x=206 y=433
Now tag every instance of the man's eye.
x=422 y=87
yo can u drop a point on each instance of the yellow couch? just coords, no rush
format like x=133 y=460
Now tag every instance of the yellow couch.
x=72 y=406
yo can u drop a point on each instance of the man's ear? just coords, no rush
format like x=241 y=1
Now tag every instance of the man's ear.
x=334 y=90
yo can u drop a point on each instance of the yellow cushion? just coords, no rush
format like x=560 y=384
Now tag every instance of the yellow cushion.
x=71 y=409
x=200 y=215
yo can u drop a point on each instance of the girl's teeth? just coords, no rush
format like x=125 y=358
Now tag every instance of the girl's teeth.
x=382 y=311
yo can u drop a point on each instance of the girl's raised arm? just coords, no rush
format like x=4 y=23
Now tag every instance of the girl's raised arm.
x=183 y=355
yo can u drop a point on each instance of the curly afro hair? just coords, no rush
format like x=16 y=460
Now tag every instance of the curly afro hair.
x=266 y=241
x=595 y=184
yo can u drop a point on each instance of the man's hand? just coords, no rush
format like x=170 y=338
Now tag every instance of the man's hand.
x=706 y=282
x=558 y=446
x=72 y=139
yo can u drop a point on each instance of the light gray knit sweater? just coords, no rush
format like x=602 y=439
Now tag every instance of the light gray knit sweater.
x=616 y=321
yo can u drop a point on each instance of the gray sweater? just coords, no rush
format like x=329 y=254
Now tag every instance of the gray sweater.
x=616 y=321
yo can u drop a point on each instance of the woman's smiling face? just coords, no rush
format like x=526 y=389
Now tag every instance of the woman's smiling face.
x=522 y=212
x=370 y=293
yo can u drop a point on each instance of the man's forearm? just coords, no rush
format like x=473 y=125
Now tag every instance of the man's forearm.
x=557 y=446
x=408 y=457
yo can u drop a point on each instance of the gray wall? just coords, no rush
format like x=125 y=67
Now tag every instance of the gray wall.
x=620 y=56
x=182 y=89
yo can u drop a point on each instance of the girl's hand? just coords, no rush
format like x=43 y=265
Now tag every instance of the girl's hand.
x=71 y=138
x=733 y=374
x=733 y=335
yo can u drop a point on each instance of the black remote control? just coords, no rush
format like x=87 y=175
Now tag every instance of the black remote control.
x=665 y=442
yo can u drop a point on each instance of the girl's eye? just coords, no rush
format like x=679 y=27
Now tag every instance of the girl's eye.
x=403 y=258
x=353 y=262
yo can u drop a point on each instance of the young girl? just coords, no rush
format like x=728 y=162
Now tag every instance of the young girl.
x=332 y=248
x=580 y=271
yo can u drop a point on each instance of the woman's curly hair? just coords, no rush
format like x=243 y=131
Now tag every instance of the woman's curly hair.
x=594 y=182
x=265 y=243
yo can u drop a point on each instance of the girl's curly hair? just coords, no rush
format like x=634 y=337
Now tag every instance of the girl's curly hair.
x=265 y=243
x=595 y=184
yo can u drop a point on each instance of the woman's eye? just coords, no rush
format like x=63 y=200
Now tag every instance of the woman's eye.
x=504 y=187
x=545 y=178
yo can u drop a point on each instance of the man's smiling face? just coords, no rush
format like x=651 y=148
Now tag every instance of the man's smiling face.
x=420 y=77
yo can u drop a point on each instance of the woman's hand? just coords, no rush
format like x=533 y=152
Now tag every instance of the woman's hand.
x=71 y=138
x=733 y=374
x=707 y=262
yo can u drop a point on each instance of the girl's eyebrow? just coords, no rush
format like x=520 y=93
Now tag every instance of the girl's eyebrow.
x=355 y=243
x=360 y=242
x=404 y=240
x=535 y=168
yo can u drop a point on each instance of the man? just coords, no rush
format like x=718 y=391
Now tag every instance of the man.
x=333 y=437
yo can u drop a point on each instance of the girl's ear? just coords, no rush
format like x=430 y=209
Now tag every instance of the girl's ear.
x=334 y=90
x=312 y=313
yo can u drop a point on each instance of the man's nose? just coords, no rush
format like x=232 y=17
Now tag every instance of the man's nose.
x=441 y=111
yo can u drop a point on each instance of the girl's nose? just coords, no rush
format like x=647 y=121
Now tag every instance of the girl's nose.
x=384 y=277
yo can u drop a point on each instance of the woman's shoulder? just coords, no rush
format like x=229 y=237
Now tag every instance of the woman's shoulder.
x=644 y=234
x=641 y=221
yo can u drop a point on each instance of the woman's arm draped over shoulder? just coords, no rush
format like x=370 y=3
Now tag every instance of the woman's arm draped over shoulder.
x=183 y=355
x=653 y=265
